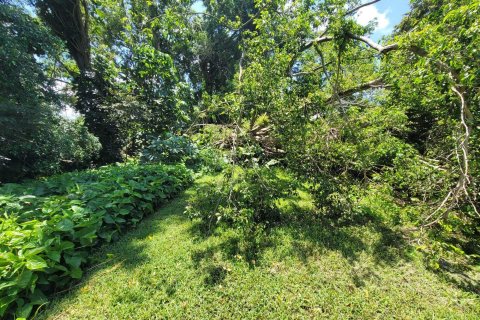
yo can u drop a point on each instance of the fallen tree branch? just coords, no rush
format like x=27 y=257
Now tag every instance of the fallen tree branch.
x=461 y=188
x=315 y=42
x=374 y=84
x=319 y=40
x=372 y=44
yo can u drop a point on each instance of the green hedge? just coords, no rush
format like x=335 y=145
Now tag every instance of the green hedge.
x=49 y=228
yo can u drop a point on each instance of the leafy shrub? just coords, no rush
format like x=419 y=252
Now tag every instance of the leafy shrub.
x=50 y=227
x=214 y=135
x=37 y=142
x=211 y=160
x=248 y=199
x=170 y=149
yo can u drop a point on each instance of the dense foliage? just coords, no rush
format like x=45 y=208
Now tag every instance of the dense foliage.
x=248 y=199
x=49 y=228
x=34 y=139
x=170 y=149
x=382 y=132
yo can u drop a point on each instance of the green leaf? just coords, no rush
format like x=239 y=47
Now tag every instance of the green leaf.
x=66 y=245
x=35 y=263
x=76 y=273
x=124 y=212
x=108 y=219
x=77 y=209
x=23 y=280
x=87 y=232
x=7 y=284
x=38 y=297
x=34 y=252
x=65 y=225
x=73 y=261
x=54 y=255
x=5 y=303
x=24 y=311
x=7 y=257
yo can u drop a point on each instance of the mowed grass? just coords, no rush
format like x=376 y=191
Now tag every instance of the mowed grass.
x=168 y=269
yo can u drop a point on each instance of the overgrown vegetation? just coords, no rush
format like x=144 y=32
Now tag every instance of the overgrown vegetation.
x=170 y=149
x=283 y=99
x=50 y=228
x=301 y=270
x=34 y=139
x=248 y=199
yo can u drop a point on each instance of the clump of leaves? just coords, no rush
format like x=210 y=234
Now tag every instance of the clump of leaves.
x=47 y=234
x=170 y=149
x=246 y=199
x=211 y=159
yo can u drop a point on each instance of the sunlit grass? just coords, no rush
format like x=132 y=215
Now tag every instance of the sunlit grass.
x=167 y=269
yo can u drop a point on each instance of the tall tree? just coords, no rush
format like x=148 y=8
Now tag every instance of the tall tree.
x=70 y=21
x=145 y=49
x=34 y=139
x=221 y=32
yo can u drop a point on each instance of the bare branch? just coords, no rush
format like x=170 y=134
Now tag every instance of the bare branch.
x=372 y=44
x=464 y=180
x=316 y=41
x=322 y=58
x=374 y=84
x=351 y=11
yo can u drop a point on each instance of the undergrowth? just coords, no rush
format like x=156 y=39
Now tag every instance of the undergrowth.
x=49 y=228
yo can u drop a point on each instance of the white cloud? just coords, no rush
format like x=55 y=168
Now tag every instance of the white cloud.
x=369 y=13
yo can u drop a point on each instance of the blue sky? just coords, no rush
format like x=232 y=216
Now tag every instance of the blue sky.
x=387 y=13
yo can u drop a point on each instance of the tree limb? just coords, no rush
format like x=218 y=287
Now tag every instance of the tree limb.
x=316 y=41
x=374 y=84
x=461 y=188
x=349 y=12
x=372 y=44
x=464 y=180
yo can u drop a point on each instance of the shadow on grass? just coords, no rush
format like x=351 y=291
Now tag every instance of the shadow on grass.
x=308 y=236
x=365 y=234
x=213 y=260
x=460 y=275
x=128 y=251
x=314 y=235
x=311 y=236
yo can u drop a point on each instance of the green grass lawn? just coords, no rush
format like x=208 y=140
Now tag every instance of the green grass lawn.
x=167 y=269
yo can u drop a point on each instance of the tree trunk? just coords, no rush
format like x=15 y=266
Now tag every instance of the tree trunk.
x=69 y=20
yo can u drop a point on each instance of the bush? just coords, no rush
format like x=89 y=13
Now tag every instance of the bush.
x=169 y=149
x=219 y=136
x=211 y=160
x=49 y=228
x=42 y=144
x=248 y=199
